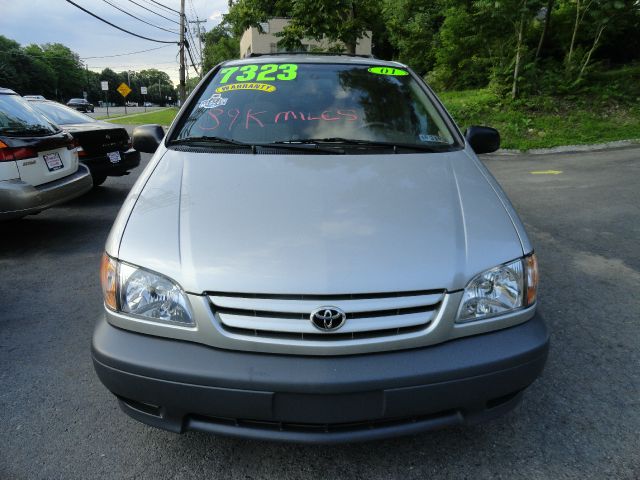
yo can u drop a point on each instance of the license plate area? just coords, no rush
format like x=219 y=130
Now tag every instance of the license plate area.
x=114 y=157
x=53 y=161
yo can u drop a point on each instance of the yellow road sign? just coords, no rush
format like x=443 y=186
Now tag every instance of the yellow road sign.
x=124 y=89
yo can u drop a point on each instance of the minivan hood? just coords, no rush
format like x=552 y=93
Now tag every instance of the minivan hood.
x=318 y=224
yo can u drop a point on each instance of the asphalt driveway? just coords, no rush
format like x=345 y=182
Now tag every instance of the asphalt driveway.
x=581 y=419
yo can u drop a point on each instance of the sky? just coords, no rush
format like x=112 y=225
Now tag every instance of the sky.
x=57 y=21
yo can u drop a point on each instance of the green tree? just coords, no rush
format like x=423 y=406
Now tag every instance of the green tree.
x=219 y=45
x=411 y=27
x=338 y=21
x=159 y=86
x=42 y=77
x=462 y=56
x=11 y=58
x=113 y=79
x=69 y=71
x=244 y=14
x=192 y=83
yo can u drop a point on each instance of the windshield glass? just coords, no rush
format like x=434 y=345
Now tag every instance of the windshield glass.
x=285 y=102
x=60 y=114
x=17 y=118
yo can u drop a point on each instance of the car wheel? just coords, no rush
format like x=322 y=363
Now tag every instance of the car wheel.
x=98 y=180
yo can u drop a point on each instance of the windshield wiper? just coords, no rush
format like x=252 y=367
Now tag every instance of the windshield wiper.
x=311 y=147
x=433 y=148
x=205 y=139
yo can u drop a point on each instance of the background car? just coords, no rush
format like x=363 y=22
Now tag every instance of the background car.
x=103 y=147
x=38 y=161
x=81 y=105
x=131 y=104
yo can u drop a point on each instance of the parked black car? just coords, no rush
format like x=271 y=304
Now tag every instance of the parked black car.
x=103 y=147
x=81 y=105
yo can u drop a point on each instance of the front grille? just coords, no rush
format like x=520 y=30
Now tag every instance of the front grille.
x=288 y=316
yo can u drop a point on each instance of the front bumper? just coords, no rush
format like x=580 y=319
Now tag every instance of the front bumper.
x=18 y=199
x=100 y=165
x=181 y=386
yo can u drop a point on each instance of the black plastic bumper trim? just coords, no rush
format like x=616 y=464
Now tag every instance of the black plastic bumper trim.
x=393 y=393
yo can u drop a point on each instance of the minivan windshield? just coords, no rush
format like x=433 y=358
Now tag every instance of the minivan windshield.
x=19 y=119
x=324 y=103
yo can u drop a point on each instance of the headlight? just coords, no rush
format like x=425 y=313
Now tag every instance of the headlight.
x=136 y=291
x=500 y=290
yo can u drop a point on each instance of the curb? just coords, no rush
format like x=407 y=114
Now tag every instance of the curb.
x=571 y=148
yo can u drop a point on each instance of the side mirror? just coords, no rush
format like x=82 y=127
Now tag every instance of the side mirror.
x=147 y=138
x=483 y=139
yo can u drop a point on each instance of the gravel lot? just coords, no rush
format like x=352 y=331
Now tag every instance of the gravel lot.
x=581 y=419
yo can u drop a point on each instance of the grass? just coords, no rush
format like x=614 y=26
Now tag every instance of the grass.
x=545 y=121
x=161 y=117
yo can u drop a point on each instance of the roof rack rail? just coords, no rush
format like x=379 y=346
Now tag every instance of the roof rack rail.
x=303 y=52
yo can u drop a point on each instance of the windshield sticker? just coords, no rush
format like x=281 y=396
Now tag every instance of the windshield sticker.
x=431 y=138
x=215 y=101
x=263 y=87
x=388 y=71
x=268 y=72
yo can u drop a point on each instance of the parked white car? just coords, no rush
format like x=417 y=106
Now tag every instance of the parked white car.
x=39 y=164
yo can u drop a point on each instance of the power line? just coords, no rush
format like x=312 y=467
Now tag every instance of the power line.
x=147 y=9
x=133 y=65
x=115 y=26
x=193 y=11
x=164 y=6
x=137 y=18
x=192 y=62
x=192 y=42
x=124 y=54
x=46 y=56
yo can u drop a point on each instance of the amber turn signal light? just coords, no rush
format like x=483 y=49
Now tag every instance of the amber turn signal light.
x=531 y=263
x=108 y=277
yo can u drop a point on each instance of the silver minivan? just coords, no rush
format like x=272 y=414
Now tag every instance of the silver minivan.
x=314 y=253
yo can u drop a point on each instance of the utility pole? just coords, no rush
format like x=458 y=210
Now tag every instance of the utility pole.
x=182 y=86
x=198 y=32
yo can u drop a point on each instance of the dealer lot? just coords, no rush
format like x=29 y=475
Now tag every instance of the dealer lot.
x=581 y=419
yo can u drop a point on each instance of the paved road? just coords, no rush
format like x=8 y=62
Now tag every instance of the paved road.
x=581 y=419
x=119 y=111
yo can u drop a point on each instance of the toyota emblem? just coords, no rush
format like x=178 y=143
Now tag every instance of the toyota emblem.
x=328 y=319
